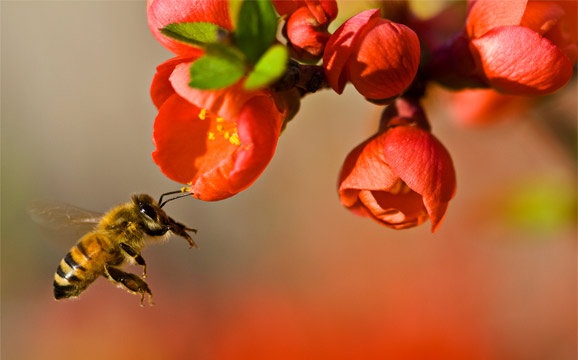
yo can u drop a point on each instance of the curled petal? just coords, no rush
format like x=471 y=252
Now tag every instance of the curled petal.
x=340 y=46
x=324 y=11
x=425 y=165
x=387 y=60
x=400 y=178
x=560 y=26
x=369 y=187
x=161 y=87
x=306 y=36
x=378 y=56
x=517 y=60
x=161 y=13
x=485 y=15
x=541 y=16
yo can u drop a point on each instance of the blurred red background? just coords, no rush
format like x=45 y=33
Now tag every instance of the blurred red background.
x=282 y=270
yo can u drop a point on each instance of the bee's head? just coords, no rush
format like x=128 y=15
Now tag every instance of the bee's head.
x=155 y=221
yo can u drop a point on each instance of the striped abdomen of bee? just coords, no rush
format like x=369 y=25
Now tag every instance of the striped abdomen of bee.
x=83 y=264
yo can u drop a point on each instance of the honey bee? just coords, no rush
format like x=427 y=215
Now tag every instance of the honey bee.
x=117 y=239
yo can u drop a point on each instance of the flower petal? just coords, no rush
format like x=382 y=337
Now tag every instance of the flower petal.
x=425 y=165
x=180 y=138
x=161 y=13
x=365 y=168
x=517 y=60
x=259 y=127
x=397 y=211
x=161 y=88
x=488 y=14
x=340 y=47
x=386 y=60
x=369 y=187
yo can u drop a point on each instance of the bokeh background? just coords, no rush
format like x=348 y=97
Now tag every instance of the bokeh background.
x=282 y=270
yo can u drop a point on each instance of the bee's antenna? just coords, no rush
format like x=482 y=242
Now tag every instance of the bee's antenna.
x=181 y=191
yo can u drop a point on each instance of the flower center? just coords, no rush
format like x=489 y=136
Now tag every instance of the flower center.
x=220 y=128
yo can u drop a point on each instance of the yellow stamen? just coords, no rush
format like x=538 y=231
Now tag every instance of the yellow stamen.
x=203 y=114
x=234 y=139
x=220 y=128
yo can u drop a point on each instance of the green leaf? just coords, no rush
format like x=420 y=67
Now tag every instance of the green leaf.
x=270 y=67
x=194 y=33
x=256 y=28
x=215 y=72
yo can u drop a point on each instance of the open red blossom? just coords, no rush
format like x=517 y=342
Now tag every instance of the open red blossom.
x=400 y=177
x=523 y=47
x=379 y=57
x=218 y=142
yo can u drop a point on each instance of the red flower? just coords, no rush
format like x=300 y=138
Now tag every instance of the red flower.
x=306 y=26
x=401 y=176
x=523 y=47
x=379 y=57
x=219 y=142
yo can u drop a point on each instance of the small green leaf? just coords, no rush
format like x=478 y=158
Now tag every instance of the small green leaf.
x=215 y=72
x=256 y=28
x=269 y=68
x=194 y=33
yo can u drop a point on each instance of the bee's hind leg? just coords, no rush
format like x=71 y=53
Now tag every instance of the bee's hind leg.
x=136 y=256
x=131 y=282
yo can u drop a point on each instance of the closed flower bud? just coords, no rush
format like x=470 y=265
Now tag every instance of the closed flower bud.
x=379 y=57
x=401 y=176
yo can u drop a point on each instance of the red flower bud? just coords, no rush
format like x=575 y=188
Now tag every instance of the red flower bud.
x=306 y=26
x=400 y=177
x=379 y=57
x=523 y=47
x=306 y=36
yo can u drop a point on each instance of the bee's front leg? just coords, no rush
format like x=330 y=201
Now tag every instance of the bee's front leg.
x=131 y=282
x=136 y=256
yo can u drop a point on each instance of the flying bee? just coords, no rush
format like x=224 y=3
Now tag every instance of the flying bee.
x=117 y=239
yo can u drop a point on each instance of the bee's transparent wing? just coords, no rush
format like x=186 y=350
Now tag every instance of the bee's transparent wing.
x=57 y=216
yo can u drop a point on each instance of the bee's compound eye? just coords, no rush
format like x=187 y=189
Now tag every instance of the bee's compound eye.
x=148 y=211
